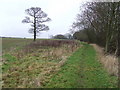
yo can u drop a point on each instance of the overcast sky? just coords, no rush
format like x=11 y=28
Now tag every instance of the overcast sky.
x=62 y=13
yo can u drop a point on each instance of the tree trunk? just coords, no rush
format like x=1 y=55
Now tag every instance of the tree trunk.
x=34 y=35
x=34 y=28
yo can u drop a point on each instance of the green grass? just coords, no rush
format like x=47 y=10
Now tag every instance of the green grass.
x=10 y=59
x=82 y=70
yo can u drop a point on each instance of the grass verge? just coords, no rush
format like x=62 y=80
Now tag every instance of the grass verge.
x=82 y=70
x=109 y=61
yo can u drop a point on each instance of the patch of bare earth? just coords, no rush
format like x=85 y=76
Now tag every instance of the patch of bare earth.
x=110 y=62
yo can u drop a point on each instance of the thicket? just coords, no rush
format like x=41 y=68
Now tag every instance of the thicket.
x=100 y=21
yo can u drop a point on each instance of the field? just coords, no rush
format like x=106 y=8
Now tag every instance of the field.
x=52 y=64
x=11 y=43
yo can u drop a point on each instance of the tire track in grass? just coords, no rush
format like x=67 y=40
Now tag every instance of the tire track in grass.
x=93 y=75
x=82 y=70
x=68 y=75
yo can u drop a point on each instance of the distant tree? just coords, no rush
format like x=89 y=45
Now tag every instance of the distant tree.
x=38 y=17
x=51 y=36
x=68 y=36
x=59 y=36
x=81 y=35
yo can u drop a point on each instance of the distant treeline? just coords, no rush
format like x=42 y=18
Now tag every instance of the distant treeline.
x=60 y=36
x=12 y=37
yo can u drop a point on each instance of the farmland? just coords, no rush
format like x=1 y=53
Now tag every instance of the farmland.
x=52 y=64
x=10 y=43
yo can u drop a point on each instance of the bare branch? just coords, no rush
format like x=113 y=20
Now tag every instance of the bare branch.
x=26 y=20
x=42 y=27
x=43 y=20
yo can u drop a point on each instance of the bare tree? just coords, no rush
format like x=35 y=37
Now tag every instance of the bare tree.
x=38 y=17
x=101 y=22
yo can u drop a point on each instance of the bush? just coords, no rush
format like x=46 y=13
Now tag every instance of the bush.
x=81 y=35
x=59 y=36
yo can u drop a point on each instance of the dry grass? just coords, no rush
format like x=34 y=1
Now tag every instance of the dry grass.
x=36 y=65
x=110 y=62
x=44 y=45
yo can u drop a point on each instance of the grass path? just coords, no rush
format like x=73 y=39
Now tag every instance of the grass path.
x=82 y=70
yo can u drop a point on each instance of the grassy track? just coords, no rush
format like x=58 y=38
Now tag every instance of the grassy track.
x=42 y=68
x=82 y=70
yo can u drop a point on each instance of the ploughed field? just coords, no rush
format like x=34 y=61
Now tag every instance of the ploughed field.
x=52 y=64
